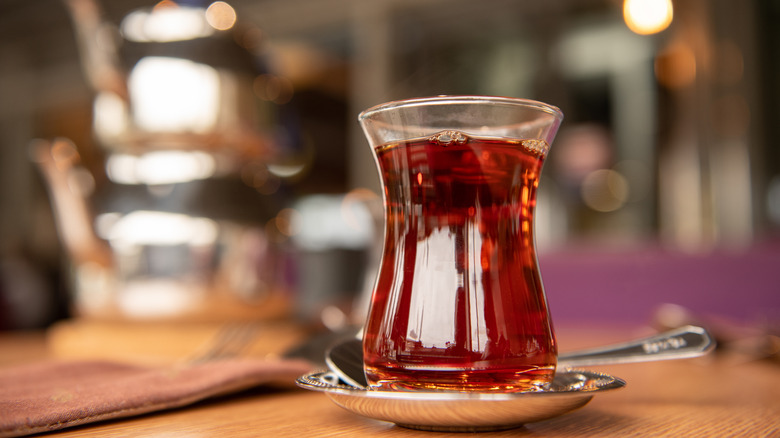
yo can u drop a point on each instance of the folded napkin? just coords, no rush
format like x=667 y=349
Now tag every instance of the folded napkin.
x=53 y=395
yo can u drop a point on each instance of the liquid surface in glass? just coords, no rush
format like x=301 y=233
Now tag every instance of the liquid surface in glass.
x=458 y=303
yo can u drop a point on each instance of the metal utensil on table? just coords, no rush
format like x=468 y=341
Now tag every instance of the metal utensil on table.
x=346 y=358
x=231 y=340
x=477 y=411
x=680 y=343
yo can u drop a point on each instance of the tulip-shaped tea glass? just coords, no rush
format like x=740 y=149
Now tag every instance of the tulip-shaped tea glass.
x=458 y=302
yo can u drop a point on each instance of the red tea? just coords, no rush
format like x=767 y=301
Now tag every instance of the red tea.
x=458 y=303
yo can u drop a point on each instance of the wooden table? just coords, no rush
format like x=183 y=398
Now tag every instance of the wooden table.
x=714 y=396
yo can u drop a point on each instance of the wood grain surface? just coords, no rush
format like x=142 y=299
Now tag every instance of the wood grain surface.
x=714 y=396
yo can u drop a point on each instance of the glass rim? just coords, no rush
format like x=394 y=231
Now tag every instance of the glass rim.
x=461 y=99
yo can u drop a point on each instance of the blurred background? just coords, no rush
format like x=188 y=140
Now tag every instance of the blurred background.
x=662 y=187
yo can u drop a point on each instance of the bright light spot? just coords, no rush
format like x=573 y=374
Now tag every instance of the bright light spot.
x=121 y=169
x=162 y=167
x=646 y=17
x=110 y=115
x=155 y=298
x=156 y=228
x=163 y=24
x=167 y=167
x=105 y=222
x=221 y=16
x=286 y=170
x=321 y=223
x=605 y=190
x=170 y=94
x=333 y=318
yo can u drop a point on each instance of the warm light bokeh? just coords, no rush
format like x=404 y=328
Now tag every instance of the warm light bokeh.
x=221 y=16
x=647 y=17
x=172 y=94
x=675 y=66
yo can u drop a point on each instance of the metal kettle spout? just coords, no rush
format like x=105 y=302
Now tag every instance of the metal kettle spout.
x=57 y=161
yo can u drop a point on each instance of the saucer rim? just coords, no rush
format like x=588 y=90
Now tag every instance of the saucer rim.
x=315 y=381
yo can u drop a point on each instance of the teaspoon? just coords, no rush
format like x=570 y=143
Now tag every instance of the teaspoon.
x=346 y=359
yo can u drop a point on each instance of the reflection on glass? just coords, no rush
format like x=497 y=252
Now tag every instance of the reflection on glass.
x=110 y=115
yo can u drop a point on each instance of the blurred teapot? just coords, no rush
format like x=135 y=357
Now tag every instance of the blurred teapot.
x=174 y=77
x=172 y=216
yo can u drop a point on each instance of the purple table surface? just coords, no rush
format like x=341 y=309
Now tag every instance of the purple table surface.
x=591 y=284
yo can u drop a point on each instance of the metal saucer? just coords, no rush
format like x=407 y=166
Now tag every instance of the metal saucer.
x=464 y=411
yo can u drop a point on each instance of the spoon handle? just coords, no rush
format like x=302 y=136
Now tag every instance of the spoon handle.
x=684 y=342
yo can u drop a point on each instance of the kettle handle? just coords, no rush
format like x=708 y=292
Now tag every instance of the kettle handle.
x=97 y=47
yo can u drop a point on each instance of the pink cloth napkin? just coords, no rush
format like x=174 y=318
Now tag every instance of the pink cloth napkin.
x=48 y=396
